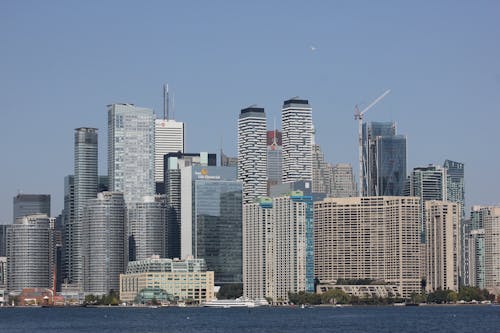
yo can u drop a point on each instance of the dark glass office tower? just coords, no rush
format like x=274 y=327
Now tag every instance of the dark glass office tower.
x=174 y=162
x=215 y=227
x=384 y=160
x=455 y=184
x=29 y=204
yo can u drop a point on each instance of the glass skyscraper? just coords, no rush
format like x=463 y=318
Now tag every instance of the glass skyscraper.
x=174 y=162
x=384 y=160
x=104 y=238
x=29 y=204
x=212 y=220
x=455 y=183
x=85 y=186
x=131 y=147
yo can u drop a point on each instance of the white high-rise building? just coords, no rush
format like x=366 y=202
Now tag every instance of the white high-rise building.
x=492 y=249
x=442 y=245
x=278 y=247
x=131 y=151
x=296 y=121
x=252 y=153
x=169 y=138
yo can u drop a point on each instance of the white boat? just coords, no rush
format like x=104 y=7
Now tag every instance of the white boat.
x=230 y=303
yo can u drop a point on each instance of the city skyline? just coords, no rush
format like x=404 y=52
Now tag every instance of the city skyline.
x=444 y=76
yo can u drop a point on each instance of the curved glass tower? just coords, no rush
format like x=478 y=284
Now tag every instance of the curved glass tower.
x=85 y=184
x=104 y=235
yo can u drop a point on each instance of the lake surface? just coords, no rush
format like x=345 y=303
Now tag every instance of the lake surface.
x=330 y=319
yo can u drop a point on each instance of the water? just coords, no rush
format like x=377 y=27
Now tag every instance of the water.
x=330 y=319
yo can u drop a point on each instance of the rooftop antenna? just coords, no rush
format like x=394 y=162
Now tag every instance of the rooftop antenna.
x=165 y=101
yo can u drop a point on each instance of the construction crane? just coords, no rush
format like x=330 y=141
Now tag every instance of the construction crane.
x=358 y=115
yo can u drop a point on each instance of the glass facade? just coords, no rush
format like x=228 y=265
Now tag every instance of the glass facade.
x=384 y=160
x=217 y=221
x=29 y=204
x=391 y=165
x=131 y=147
x=455 y=183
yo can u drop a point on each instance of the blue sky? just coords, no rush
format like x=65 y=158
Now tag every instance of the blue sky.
x=62 y=62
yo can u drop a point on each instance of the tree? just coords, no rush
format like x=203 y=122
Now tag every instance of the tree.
x=335 y=296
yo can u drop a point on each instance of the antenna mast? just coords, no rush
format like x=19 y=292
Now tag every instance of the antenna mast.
x=165 y=101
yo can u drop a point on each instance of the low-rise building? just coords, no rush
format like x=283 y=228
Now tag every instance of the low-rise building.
x=183 y=280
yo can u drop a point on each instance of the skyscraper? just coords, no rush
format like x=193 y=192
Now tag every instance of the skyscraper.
x=296 y=121
x=384 y=160
x=343 y=183
x=85 y=182
x=211 y=213
x=442 y=245
x=174 y=163
x=252 y=157
x=278 y=247
x=146 y=227
x=492 y=249
x=30 y=204
x=28 y=253
x=68 y=217
x=369 y=238
x=427 y=183
x=274 y=158
x=476 y=247
x=455 y=184
x=131 y=151
x=322 y=172
x=103 y=236
x=169 y=138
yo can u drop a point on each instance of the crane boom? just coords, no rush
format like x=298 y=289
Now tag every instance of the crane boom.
x=358 y=115
x=378 y=99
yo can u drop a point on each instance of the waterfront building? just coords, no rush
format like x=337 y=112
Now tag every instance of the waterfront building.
x=343 y=183
x=3 y=240
x=146 y=222
x=211 y=220
x=182 y=280
x=274 y=158
x=169 y=138
x=296 y=122
x=369 y=238
x=174 y=162
x=476 y=247
x=131 y=151
x=384 y=160
x=68 y=218
x=85 y=188
x=492 y=249
x=104 y=235
x=252 y=153
x=442 y=245
x=3 y=274
x=31 y=204
x=278 y=247
x=29 y=252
